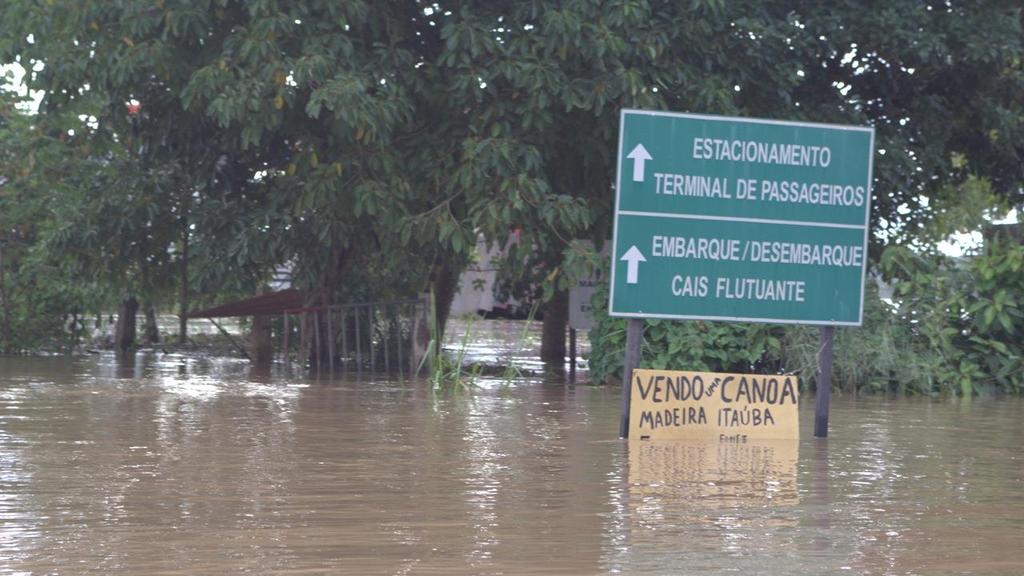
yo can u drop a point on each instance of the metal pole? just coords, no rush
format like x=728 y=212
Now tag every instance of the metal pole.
x=303 y=338
x=344 y=337
x=371 y=320
x=634 y=338
x=330 y=339
x=420 y=311
x=400 y=363
x=824 y=383
x=572 y=355
x=387 y=339
x=316 y=341
x=359 y=348
x=284 y=345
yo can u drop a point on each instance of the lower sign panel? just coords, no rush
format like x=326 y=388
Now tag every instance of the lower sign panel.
x=761 y=272
x=727 y=407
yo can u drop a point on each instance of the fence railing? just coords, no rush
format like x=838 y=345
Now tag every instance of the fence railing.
x=388 y=335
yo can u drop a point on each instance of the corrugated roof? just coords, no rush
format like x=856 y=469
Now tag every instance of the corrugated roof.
x=272 y=304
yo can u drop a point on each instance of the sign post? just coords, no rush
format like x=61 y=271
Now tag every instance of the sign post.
x=581 y=314
x=740 y=219
x=821 y=403
x=634 y=338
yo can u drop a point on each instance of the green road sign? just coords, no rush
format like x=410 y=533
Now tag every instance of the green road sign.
x=738 y=219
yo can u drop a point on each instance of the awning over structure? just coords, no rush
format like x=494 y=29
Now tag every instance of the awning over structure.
x=271 y=304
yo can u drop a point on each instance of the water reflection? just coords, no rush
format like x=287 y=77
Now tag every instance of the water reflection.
x=702 y=506
x=712 y=474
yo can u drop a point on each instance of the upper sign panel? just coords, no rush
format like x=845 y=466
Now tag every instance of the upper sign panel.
x=740 y=219
x=737 y=167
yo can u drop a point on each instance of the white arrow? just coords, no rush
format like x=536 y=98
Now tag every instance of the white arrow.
x=633 y=258
x=639 y=156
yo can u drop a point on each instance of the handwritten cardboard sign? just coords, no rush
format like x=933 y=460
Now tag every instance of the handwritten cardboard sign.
x=728 y=407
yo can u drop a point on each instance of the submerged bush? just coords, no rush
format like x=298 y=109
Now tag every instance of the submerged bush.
x=963 y=317
x=683 y=345
x=878 y=356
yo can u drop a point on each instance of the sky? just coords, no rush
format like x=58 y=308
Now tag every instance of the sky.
x=960 y=244
x=11 y=80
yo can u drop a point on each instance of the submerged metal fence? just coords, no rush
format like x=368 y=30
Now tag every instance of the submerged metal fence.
x=387 y=335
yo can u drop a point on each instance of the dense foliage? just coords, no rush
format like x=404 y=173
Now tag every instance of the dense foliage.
x=965 y=318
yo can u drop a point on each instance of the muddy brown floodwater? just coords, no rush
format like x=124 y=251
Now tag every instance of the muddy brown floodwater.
x=191 y=465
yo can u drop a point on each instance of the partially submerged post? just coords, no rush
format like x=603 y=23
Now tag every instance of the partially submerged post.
x=420 y=340
x=316 y=339
x=572 y=355
x=344 y=338
x=399 y=322
x=634 y=341
x=330 y=341
x=285 y=336
x=124 y=330
x=824 y=392
x=359 y=348
x=261 y=347
x=371 y=322
x=387 y=338
x=581 y=294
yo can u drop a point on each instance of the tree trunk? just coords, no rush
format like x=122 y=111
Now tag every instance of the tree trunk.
x=124 y=330
x=444 y=283
x=74 y=330
x=419 y=338
x=151 y=330
x=126 y=365
x=261 y=348
x=556 y=318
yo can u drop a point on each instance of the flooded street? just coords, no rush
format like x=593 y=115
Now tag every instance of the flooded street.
x=189 y=465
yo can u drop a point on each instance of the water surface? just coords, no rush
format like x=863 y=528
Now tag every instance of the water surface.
x=191 y=465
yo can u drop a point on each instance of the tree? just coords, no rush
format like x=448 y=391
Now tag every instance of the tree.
x=330 y=135
x=40 y=304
